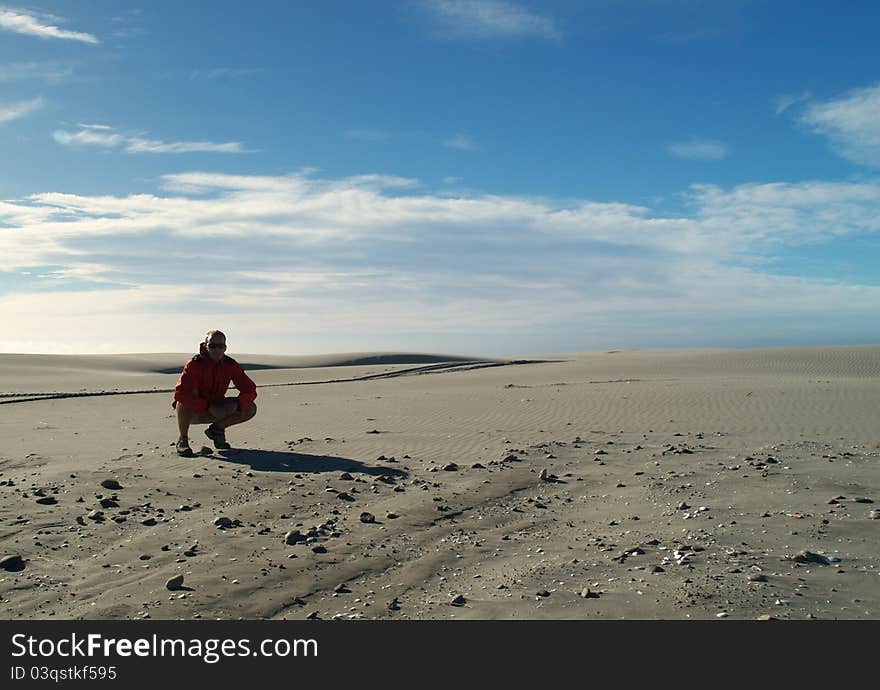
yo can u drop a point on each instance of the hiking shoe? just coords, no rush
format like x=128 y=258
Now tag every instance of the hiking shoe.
x=218 y=436
x=183 y=449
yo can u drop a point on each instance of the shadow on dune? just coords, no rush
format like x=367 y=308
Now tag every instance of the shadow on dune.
x=279 y=461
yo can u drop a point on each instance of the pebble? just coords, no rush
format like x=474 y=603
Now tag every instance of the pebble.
x=545 y=475
x=111 y=484
x=174 y=583
x=319 y=549
x=458 y=600
x=345 y=476
x=47 y=500
x=368 y=518
x=810 y=557
x=223 y=522
x=96 y=515
x=874 y=515
x=109 y=503
x=392 y=516
x=293 y=537
x=451 y=467
x=149 y=522
x=757 y=577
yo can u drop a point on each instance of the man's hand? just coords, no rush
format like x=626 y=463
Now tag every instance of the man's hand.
x=223 y=409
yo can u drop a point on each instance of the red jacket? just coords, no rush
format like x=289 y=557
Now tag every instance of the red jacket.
x=202 y=382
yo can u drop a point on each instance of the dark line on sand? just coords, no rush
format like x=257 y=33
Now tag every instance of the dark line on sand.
x=413 y=371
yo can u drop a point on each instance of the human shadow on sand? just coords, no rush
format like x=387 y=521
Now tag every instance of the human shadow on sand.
x=280 y=461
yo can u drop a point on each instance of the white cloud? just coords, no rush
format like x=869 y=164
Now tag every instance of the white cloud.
x=18 y=109
x=852 y=123
x=376 y=257
x=22 y=22
x=477 y=19
x=699 y=149
x=786 y=101
x=50 y=71
x=460 y=142
x=103 y=135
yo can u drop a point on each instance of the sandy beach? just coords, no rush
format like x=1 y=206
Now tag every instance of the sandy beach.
x=663 y=484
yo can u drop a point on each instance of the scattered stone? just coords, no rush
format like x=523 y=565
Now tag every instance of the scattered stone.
x=174 y=583
x=293 y=537
x=12 y=563
x=109 y=503
x=96 y=515
x=682 y=506
x=342 y=496
x=478 y=466
x=863 y=500
x=392 y=516
x=757 y=577
x=47 y=500
x=223 y=522
x=587 y=593
x=319 y=549
x=810 y=557
x=111 y=484
x=542 y=594
x=368 y=518
x=313 y=616
x=458 y=600
x=451 y=467
x=874 y=515
x=341 y=589
x=345 y=476
x=545 y=475
x=149 y=522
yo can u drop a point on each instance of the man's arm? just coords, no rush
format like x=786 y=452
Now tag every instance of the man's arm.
x=186 y=390
x=247 y=389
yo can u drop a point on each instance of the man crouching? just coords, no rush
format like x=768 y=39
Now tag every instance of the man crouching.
x=200 y=395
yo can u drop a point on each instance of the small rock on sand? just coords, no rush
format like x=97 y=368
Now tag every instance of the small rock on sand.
x=458 y=600
x=47 y=501
x=223 y=522
x=111 y=484
x=451 y=467
x=174 y=583
x=12 y=563
x=810 y=557
x=293 y=537
x=368 y=518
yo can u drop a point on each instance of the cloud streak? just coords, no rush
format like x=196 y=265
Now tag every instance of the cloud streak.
x=22 y=22
x=490 y=19
x=852 y=123
x=105 y=136
x=699 y=149
x=19 y=109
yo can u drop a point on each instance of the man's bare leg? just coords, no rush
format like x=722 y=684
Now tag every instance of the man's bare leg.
x=237 y=417
x=184 y=419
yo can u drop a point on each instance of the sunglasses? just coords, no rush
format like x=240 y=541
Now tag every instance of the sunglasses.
x=216 y=346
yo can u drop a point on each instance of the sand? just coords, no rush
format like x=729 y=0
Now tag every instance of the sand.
x=677 y=484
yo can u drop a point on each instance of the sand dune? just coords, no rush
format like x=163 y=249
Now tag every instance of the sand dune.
x=681 y=483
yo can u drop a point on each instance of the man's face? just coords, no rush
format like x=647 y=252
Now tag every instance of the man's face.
x=216 y=347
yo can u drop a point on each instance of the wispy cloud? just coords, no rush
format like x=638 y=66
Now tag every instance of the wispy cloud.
x=699 y=149
x=786 y=101
x=461 y=142
x=377 y=254
x=852 y=123
x=223 y=73
x=27 y=71
x=106 y=137
x=15 y=110
x=24 y=22
x=478 y=19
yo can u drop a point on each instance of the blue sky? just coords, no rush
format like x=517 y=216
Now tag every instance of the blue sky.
x=486 y=177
